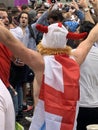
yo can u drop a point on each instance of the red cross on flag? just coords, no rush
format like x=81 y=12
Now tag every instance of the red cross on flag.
x=56 y=109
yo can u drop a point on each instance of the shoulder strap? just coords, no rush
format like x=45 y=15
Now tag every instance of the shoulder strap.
x=31 y=31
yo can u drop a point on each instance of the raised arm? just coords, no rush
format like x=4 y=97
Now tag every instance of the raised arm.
x=84 y=47
x=29 y=57
x=84 y=5
x=95 y=6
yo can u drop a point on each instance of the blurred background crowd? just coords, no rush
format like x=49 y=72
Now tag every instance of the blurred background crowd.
x=21 y=17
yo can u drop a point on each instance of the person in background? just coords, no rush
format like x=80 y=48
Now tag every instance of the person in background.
x=41 y=66
x=7 y=92
x=19 y=71
x=88 y=103
x=25 y=8
x=5 y=56
x=7 y=116
x=4 y=17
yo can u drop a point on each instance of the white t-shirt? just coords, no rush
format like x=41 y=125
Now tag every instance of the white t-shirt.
x=17 y=33
x=89 y=80
x=7 y=114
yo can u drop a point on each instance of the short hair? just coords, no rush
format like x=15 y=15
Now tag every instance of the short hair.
x=56 y=15
x=15 y=9
x=86 y=26
x=23 y=7
x=3 y=7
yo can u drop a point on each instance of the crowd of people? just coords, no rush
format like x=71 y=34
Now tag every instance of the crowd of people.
x=54 y=48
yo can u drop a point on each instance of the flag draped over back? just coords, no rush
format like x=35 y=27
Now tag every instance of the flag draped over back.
x=56 y=108
x=20 y=2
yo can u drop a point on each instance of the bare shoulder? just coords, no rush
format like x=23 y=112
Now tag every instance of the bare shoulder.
x=81 y=51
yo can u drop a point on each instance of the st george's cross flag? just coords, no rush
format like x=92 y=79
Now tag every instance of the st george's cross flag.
x=59 y=94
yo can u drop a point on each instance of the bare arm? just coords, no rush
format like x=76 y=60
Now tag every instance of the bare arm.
x=84 y=5
x=82 y=50
x=36 y=90
x=28 y=56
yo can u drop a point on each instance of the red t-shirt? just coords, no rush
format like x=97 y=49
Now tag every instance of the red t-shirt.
x=5 y=63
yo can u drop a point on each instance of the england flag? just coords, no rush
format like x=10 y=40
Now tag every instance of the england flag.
x=59 y=94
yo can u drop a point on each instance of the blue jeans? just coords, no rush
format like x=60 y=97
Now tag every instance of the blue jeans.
x=18 y=99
